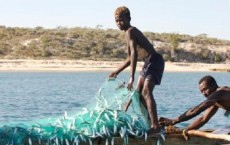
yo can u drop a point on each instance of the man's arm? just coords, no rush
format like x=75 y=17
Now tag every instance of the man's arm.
x=194 y=111
x=210 y=102
x=132 y=44
x=122 y=67
x=199 y=122
x=133 y=57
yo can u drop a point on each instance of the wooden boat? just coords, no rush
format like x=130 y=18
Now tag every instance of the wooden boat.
x=170 y=140
x=195 y=138
x=173 y=136
x=173 y=139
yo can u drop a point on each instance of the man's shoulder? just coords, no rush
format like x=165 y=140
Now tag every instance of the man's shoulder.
x=133 y=31
x=227 y=88
x=215 y=95
x=222 y=91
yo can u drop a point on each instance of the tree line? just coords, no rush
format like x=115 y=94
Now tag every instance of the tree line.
x=101 y=44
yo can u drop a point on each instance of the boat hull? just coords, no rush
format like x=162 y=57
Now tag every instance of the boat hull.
x=172 y=139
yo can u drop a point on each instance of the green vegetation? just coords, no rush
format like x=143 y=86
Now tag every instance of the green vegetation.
x=100 y=44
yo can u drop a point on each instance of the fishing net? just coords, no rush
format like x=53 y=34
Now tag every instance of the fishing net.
x=106 y=119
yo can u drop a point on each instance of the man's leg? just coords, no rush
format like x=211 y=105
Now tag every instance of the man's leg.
x=139 y=87
x=140 y=83
x=147 y=94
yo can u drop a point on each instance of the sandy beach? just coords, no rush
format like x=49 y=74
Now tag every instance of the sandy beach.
x=82 y=65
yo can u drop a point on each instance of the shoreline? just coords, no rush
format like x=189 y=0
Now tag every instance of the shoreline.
x=29 y=65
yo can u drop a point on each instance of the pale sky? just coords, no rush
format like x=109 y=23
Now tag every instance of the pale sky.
x=192 y=17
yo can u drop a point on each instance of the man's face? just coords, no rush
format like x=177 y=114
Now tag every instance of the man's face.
x=205 y=89
x=122 y=21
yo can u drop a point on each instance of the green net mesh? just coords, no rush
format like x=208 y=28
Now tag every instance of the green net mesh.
x=106 y=120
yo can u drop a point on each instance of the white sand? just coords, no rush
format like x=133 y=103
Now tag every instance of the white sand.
x=80 y=65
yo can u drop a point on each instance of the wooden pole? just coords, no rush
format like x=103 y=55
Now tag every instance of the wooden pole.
x=207 y=135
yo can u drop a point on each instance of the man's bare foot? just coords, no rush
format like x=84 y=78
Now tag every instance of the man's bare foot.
x=152 y=132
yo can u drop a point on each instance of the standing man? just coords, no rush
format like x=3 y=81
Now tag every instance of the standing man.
x=152 y=70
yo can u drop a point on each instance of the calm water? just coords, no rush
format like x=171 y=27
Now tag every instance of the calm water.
x=30 y=96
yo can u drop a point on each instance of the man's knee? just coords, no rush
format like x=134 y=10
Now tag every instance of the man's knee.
x=145 y=93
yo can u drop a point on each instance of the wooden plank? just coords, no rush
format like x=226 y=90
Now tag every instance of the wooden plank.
x=209 y=135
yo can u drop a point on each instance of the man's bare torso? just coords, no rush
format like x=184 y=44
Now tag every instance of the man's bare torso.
x=144 y=47
x=223 y=99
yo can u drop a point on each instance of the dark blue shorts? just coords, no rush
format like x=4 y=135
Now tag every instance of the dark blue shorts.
x=153 y=68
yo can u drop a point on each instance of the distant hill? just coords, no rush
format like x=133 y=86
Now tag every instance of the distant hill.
x=100 y=44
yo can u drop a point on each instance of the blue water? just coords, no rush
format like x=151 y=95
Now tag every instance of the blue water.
x=28 y=96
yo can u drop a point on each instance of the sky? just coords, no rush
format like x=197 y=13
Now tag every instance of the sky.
x=192 y=17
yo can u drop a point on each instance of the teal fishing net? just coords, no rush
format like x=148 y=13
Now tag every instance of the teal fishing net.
x=105 y=119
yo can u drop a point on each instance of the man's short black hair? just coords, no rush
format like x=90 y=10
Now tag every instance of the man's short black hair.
x=209 y=80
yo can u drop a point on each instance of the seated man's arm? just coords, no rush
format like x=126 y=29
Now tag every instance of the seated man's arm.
x=195 y=111
x=199 y=122
x=211 y=101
